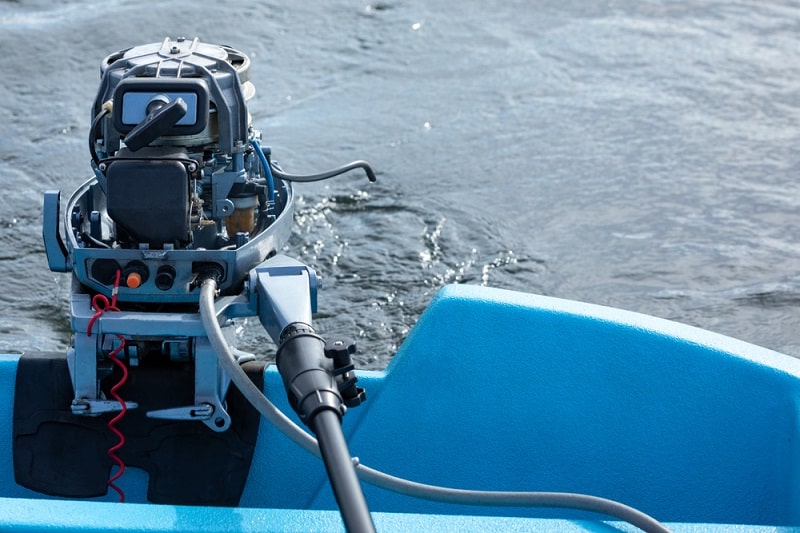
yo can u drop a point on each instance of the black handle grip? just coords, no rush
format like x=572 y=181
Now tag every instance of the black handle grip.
x=156 y=124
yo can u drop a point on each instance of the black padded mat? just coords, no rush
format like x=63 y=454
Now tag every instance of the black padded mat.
x=62 y=454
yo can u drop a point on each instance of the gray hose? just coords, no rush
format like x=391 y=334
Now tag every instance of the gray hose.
x=403 y=486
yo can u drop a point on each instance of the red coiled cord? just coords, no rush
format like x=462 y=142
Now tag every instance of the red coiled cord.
x=101 y=305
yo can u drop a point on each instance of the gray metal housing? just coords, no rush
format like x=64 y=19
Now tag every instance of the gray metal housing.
x=225 y=70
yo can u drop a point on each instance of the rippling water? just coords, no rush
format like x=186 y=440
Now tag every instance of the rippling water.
x=639 y=154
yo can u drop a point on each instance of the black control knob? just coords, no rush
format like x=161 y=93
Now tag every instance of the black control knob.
x=134 y=274
x=165 y=277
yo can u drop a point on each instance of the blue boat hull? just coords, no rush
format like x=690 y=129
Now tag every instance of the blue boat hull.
x=498 y=390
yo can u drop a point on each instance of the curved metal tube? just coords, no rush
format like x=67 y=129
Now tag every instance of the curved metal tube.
x=325 y=175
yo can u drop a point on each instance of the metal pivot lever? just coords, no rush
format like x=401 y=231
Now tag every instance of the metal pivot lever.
x=189 y=412
x=210 y=387
x=98 y=407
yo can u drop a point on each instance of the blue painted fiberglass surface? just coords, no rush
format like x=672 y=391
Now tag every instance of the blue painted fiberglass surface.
x=501 y=390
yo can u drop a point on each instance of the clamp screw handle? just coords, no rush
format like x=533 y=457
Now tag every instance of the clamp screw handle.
x=341 y=350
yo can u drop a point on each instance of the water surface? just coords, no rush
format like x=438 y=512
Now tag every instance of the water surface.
x=643 y=155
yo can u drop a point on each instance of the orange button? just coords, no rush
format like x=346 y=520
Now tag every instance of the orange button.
x=133 y=280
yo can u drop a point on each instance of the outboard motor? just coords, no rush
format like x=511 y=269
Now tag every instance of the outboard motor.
x=178 y=192
x=182 y=194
